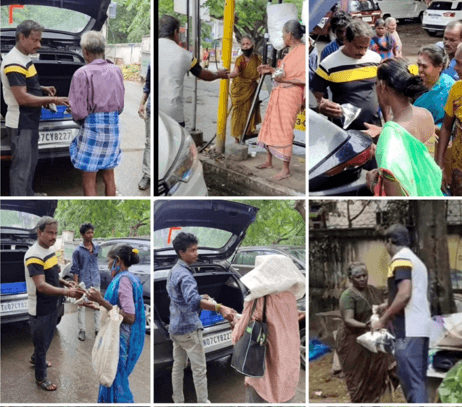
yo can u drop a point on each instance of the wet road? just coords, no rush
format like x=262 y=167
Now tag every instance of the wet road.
x=58 y=177
x=72 y=370
x=225 y=385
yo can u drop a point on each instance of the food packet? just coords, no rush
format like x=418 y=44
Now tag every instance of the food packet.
x=350 y=113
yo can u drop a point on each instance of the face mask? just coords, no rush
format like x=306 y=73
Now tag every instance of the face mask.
x=247 y=52
x=115 y=269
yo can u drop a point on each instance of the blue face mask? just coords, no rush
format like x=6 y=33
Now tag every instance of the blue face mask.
x=115 y=269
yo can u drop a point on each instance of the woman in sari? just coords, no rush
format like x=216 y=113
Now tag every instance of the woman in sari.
x=243 y=89
x=277 y=131
x=366 y=373
x=405 y=167
x=125 y=291
x=96 y=97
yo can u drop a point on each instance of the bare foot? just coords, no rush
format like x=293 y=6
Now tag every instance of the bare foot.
x=281 y=175
x=264 y=165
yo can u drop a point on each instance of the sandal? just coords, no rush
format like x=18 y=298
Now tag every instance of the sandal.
x=47 y=385
x=32 y=362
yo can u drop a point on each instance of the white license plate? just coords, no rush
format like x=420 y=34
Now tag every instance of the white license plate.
x=14 y=306
x=367 y=19
x=216 y=339
x=54 y=136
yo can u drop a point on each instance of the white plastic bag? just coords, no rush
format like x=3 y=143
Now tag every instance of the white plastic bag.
x=105 y=354
x=278 y=15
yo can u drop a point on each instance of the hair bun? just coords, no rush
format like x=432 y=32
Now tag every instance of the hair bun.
x=302 y=29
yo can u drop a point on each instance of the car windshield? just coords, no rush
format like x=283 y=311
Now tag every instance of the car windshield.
x=443 y=5
x=144 y=251
x=300 y=254
x=361 y=5
x=208 y=237
x=19 y=220
x=52 y=18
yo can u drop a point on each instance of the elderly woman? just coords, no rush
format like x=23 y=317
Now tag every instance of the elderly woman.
x=366 y=373
x=276 y=134
x=97 y=98
x=391 y=25
x=243 y=88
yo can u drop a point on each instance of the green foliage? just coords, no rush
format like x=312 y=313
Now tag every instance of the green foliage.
x=450 y=390
x=111 y=218
x=277 y=222
x=133 y=20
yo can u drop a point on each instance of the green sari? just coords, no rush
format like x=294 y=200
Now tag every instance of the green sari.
x=403 y=158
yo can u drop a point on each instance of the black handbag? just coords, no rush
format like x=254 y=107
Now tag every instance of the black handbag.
x=250 y=351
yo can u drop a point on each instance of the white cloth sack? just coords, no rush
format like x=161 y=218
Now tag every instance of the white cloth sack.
x=278 y=15
x=273 y=274
x=375 y=341
x=105 y=354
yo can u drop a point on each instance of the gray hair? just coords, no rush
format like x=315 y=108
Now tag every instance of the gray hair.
x=436 y=54
x=44 y=221
x=389 y=20
x=93 y=42
x=455 y=24
x=26 y=27
x=356 y=265
x=249 y=37
x=358 y=28
x=295 y=28
x=167 y=26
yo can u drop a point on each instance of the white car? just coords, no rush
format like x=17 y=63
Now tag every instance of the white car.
x=180 y=171
x=439 y=14
x=401 y=9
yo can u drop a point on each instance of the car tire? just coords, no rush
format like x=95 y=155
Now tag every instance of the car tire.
x=147 y=311
x=303 y=348
x=431 y=33
x=420 y=18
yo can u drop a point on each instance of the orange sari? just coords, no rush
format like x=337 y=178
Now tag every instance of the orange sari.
x=277 y=131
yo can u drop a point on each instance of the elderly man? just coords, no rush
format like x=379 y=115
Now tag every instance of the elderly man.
x=350 y=72
x=24 y=98
x=452 y=38
x=174 y=63
x=338 y=24
x=144 y=112
x=43 y=292
x=408 y=310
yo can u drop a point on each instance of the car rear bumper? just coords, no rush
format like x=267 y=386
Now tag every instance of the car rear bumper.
x=434 y=27
x=14 y=308
x=358 y=187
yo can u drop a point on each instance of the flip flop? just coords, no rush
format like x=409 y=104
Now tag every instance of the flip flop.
x=32 y=362
x=47 y=385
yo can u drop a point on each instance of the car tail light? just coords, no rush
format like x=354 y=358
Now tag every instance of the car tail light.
x=355 y=162
x=449 y=14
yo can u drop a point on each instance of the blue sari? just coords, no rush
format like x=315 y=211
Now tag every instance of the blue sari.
x=131 y=342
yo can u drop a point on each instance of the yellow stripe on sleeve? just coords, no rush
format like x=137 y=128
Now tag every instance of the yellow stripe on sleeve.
x=35 y=260
x=31 y=71
x=396 y=264
x=194 y=62
x=355 y=74
x=16 y=68
x=51 y=262
x=322 y=74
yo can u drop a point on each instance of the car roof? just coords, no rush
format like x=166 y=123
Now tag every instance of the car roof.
x=275 y=247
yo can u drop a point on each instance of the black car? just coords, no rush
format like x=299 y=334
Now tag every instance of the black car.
x=142 y=270
x=17 y=228
x=60 y=56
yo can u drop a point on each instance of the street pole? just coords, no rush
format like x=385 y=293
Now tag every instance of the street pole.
x=195 y=17
x=227 y=46
x=187 y=28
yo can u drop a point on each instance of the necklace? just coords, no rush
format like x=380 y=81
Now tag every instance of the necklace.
x=400 y=111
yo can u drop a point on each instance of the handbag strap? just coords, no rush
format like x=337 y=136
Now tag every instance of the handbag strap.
x=255 y=306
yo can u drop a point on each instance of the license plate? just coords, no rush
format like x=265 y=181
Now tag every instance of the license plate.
x=216 y=339
x=300 y=123
x=367 y=19
x=54 y=136
x=14 y=306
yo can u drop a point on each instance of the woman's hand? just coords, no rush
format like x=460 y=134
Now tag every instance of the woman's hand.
x=94 y=295
x=90 y=304
x=264 y=69
x=227 y=313
x=280 y=79
x=372 y=177
x=377 y=325
x=372 y=130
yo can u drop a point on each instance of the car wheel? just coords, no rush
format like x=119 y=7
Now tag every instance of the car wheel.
x=431 y=33
x=420 y=18
x=147 y=311
x=303 y=348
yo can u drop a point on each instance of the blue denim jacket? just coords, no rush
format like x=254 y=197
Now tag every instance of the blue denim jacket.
x=184 y=300
x=85 y=265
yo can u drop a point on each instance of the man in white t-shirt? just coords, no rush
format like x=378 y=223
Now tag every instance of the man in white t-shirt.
x=174 y=63
x=408 y=311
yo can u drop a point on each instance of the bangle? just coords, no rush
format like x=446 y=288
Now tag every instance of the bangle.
x=66 y=292
x=217 y=307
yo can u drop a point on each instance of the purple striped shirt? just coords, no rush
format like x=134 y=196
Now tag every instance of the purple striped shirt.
x=96 y=87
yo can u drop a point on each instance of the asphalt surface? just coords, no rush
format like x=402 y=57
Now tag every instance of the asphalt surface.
x=58 y=177
x=224 y=384
x=72 y=370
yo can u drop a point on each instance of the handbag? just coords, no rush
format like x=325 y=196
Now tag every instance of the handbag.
x=105 y=353
x=250 y=350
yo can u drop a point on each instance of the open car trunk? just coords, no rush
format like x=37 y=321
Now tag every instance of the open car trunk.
x=12 y=256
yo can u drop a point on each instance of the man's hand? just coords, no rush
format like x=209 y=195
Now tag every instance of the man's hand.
x=330 y=109
x=205 y=297
x=372 y=130
x=142 y=111
x=227 y=313
x=49 y=90
x=223 y=73
x=62 y=101
x=377 y=325
x=69 y=284
x=76 y=292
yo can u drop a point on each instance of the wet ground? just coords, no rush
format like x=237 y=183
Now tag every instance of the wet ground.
x=72 y=370
x=225 y=385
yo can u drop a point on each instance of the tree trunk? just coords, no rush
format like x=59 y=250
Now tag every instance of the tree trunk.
x=300 y=208
x=431 y=245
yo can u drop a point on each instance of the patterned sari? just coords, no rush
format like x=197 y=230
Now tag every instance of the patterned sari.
x=243 y=89
x=131 y=342
x=277 y=130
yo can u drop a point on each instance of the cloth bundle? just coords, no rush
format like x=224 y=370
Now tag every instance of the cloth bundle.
x=378 y=341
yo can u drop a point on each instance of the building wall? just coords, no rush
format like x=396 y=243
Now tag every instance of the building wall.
x=125 y=54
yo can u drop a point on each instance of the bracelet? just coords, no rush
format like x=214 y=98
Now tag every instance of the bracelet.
x=66 y=293
x=217 y=307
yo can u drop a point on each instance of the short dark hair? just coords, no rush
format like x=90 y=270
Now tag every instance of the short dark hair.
x=126 y=253
x=168 y=25
x=184 y=240
x=86 y=226
x=399 y=235
x=44 y=221
x=26 y=27
x=356 y=265
x=358 y=28
x=340 y=19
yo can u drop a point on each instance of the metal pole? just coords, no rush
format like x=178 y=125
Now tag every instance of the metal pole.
x=196 y=52
x=187 y=28
x=227 y=46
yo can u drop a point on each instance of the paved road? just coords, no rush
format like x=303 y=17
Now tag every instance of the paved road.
x=59 y=178
x=225 y=385
x=72 y=370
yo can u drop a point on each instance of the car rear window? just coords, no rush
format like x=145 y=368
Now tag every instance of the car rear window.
x=208 y=237
x=52 y=18
x=361 y=5
x=144 y=251
x=19 y=220
x=445 y=5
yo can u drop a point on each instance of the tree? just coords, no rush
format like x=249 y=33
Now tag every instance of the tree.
x=111 y=218
x=131 y=23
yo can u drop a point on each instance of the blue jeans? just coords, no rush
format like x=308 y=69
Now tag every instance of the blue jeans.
x=412 y=360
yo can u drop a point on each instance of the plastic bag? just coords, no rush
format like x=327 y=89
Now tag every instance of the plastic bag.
x=105 y=354
x=278 y=15
x=350 y=113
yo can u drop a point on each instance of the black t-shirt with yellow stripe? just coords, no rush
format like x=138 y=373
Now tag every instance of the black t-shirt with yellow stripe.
x=351 y=81
x=41 y=261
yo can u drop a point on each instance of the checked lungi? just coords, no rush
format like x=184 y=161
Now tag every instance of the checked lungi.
x=97 y=146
